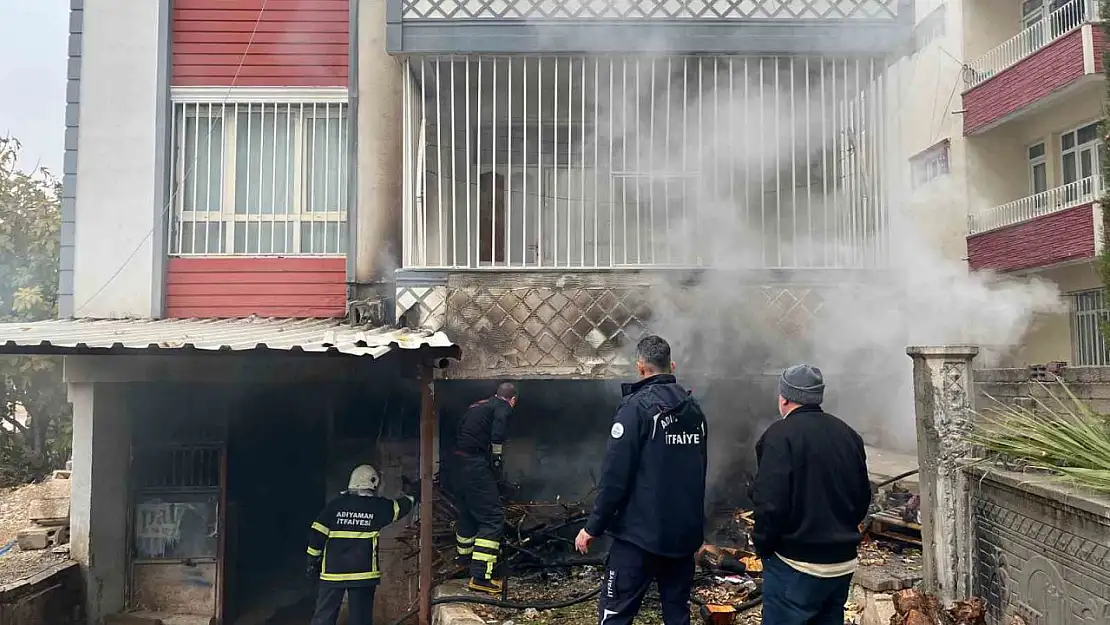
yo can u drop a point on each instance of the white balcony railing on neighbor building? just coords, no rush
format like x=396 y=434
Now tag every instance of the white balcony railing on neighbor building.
x=1054 y=26
x=1051 y=201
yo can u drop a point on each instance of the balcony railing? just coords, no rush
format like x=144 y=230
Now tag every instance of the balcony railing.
x=1055 y=25
x=1054 y=200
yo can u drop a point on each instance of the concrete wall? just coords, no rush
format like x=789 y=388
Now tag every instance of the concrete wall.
x=121 y=161
x=54 y=595
x=1090 y=384
x=1000 y=158
x=1039 y=550
x=989 y=23
x=1049 y=338
x=98 y=515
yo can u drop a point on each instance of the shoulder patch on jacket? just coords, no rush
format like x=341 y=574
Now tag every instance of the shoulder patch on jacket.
x=617 y=431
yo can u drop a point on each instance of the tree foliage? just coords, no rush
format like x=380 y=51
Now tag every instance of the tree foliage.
x=30 y=221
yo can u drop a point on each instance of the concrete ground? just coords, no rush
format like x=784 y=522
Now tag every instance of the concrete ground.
x=884 y=464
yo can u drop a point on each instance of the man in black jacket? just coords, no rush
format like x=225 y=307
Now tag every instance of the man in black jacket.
x=652 y=493
x=343 y=546
x=809 y=497
x=478 y=471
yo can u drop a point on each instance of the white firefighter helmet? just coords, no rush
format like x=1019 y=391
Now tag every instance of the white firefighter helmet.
x=364 y=478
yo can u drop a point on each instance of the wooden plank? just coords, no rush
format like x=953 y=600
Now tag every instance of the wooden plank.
x=261 y=38
x=300 y=277
x=276 y=73
x=263 y=27
x=261 y=81
x=193 y=312
x=260 y=49
x=237 y=264
x=269 y=16
x=246 y=286
x=256 y=5
x=251 y=59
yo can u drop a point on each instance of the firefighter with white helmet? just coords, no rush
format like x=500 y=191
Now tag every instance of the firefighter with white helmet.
x=343 y=546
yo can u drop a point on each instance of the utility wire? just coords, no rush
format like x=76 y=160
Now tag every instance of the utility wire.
x=192 y=167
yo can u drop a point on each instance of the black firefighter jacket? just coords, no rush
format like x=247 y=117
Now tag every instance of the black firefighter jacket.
x=483 y=426
x=345 y=537
x=652 y=491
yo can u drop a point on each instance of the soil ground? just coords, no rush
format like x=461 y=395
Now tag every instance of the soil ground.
x=14 y=507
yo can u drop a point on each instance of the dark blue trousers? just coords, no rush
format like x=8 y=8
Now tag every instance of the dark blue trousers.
x=628 y=574
x=794 y=598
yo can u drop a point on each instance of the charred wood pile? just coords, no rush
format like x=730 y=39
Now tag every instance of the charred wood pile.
x=914 y=607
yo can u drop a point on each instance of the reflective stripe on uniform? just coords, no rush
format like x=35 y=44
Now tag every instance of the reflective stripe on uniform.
x=464 y=551
x=484 y=557
x=462 y=540
x=495 y=448
x=492 y=545
x=315 y=553
x=319 y=527
x=349 y=577
x=396 y=510
x=344 y=534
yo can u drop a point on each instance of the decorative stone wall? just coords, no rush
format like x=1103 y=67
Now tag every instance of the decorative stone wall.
x=584 y=325
x=1042 y=550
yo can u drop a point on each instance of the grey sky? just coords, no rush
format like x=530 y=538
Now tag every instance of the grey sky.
x=33 y=41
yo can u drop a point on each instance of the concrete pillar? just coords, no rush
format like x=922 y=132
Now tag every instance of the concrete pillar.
x=943 y=392
x=380 y=103
x=98 y=509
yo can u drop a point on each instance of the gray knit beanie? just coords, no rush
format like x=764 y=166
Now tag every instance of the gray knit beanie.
x=802 y=384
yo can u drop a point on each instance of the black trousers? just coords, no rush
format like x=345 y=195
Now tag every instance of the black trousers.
x=629 y=573
x=481 y=515
x=360 y=604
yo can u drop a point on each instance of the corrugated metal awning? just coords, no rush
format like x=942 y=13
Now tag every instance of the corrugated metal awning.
x=128 y=336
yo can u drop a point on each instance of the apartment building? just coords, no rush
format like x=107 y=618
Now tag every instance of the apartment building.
x=1032 y=100
x=275 y=212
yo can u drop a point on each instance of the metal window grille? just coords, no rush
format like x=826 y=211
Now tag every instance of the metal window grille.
x=601 y=162
x=930 y=164
x=1088 y=313
x=260 y=179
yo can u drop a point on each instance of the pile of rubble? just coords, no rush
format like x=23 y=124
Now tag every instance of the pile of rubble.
x=49 y=517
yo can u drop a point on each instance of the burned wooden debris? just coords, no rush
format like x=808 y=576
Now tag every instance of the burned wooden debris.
x=914 y=607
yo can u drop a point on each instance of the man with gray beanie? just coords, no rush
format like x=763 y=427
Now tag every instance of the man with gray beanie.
x=810 y=495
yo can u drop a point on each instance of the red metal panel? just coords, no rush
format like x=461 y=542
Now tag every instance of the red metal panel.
x=1055 y=66
x=267 y=287
x=292 y=43
x=1060 y=237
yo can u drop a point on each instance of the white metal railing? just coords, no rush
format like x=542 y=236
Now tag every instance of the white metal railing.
x=1054 y=26
x=259 y=178
x=1054 y=200
x=599 y=162
x=1088 y=314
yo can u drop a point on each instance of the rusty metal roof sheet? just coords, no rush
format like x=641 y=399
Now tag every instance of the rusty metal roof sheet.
x=323 y=336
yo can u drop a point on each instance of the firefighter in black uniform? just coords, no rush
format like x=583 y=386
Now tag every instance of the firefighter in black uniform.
x=478 y=473
x=343 y=546
x=652 y=493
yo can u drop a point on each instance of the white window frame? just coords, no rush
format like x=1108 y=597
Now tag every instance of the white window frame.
x=930 y=164
x=1077 y=149
x=1033 y=162
x=226 y=104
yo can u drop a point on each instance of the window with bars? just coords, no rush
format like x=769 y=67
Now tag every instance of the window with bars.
x=260 y=179
x=930 y=164
x=1088 y=313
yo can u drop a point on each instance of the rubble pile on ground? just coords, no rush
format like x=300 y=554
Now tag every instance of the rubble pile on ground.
x=914 y=607
x=48 y=516
x=19 y=509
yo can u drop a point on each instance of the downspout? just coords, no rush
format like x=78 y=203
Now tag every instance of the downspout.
x=352 y=154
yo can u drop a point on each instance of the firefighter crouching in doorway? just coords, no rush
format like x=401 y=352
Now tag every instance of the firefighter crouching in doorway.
x=478 y=474
x=343 y=546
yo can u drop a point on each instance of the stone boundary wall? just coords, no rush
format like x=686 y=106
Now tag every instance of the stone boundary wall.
x=1040 y=550
x=54 y=596
x=1091 y=384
